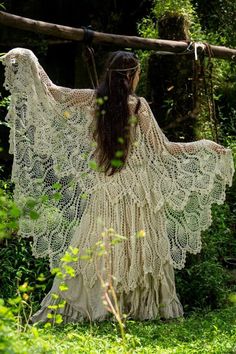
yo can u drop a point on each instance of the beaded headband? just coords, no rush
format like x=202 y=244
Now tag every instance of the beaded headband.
x=134 y=67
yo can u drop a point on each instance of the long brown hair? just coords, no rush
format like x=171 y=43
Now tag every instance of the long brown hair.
x=112 y=132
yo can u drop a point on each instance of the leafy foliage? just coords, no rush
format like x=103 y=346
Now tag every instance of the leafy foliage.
x=20 y=266
x=206 y=283
x=212 y=333
x=147 y=27
x=9 y=213
x=217 y=16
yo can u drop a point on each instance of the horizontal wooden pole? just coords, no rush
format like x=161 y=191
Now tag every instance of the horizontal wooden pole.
x=77 y=34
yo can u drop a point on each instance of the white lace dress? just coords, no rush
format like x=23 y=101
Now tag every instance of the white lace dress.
x=164 y=193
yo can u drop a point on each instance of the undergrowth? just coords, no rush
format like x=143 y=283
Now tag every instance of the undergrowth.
x=214 y=332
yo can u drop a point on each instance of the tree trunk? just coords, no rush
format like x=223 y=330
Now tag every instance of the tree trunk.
x=173 y=85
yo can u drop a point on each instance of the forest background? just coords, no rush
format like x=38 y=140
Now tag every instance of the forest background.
x=203 y=108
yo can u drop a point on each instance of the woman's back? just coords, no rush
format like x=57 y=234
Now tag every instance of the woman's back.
x=83 y=178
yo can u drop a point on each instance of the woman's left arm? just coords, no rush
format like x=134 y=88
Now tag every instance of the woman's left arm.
x=158 y=140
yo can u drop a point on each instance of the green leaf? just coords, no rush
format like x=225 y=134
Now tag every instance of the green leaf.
x=63 y=287
x=31 y=203
x=57 y=272
x=13 y=225
x=93 y=165
x=52 y=307
x=119 y=153
x=74 y=250
x=57 y=196
x=15 y=212
x=3 y=226
x=68 y=257
x=140 y=234
x=84 y=196
x=35 y=332
x=33 y=215
x=15 y=301
x=48 y=324
x=57 y=186
x=59 y=318
x=121 y=140
x=118 y=239
x=61 y=305
x=41 y=277
x=44 y=198
x=100 y=101
x=70 y=271
x=133 y=121
x=85 y=257
x=232 y=298
x=116 y=163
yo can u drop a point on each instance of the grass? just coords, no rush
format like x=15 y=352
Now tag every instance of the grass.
x=213 y=332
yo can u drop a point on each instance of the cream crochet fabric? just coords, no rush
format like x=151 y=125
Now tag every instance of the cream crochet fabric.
x=165 y=189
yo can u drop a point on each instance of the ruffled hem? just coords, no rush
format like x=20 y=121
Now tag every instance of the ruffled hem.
x=155 y=298
x=72 y=315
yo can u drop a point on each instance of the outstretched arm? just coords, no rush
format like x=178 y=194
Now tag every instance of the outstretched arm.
x=158 y=140
x=24 y=59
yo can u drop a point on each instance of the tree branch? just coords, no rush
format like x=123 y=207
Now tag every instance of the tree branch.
x=77 y=34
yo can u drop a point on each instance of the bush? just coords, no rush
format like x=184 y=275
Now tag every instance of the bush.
x=206 y=282
x=19 y=267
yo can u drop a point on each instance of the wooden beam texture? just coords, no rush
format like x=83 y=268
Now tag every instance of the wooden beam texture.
x=77 y=34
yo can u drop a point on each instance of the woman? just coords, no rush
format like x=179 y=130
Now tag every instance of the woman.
x=88 y=164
